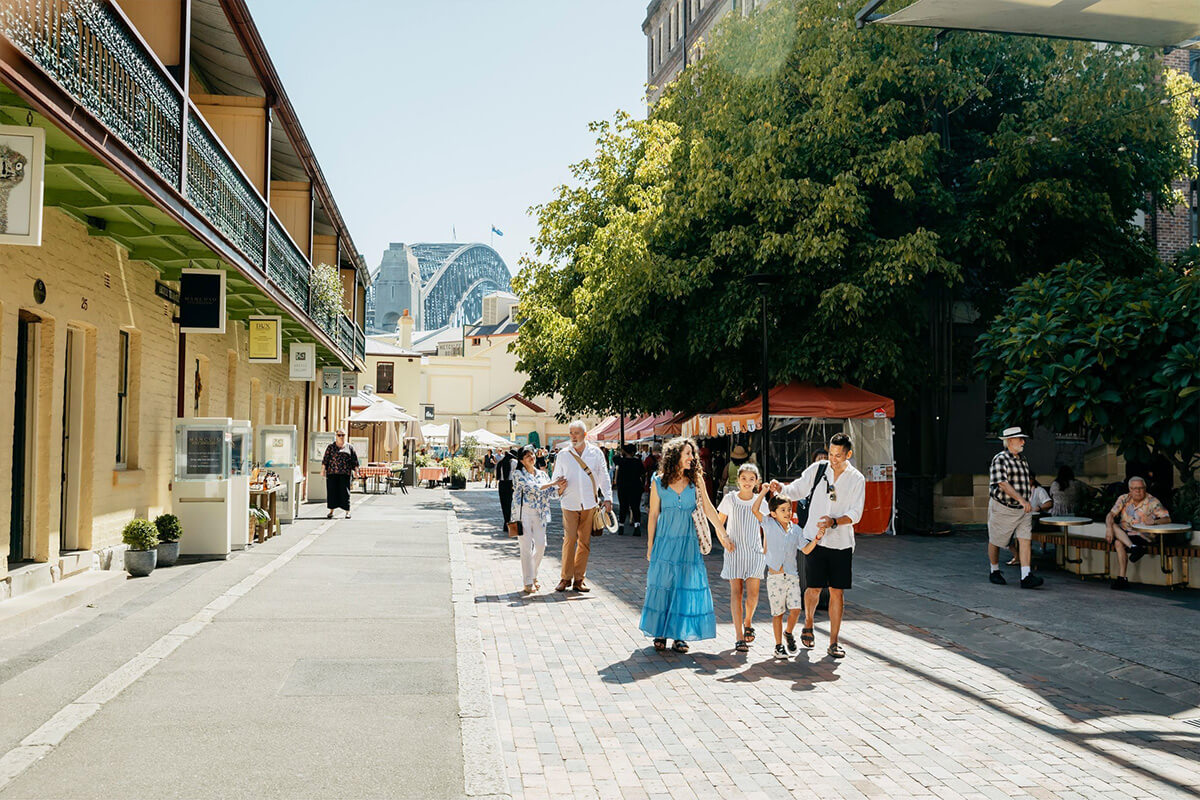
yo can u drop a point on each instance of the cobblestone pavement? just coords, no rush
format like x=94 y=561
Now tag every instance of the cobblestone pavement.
x=935 y=699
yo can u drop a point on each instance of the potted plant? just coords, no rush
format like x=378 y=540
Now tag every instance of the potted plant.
x=142 y=555
x=169 y=531
x=459 y=467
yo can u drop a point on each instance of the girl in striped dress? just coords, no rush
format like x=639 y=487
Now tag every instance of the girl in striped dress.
x=745 y=563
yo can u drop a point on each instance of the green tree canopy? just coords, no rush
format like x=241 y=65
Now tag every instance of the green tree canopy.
x=860 y=166
x=1119 y=355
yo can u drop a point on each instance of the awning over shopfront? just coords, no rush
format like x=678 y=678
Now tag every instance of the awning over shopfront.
x=1157 y=23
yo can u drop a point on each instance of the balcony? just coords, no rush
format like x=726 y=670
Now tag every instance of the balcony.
x=90 y=50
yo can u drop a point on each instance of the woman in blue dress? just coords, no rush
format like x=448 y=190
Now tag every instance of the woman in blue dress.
x=678 y=604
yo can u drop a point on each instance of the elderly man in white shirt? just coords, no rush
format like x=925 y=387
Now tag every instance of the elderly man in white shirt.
x=579 y=503
x=838 y=495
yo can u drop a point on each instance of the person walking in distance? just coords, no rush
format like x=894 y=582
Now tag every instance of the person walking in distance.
x=489 y=468
x=1010 y=483
x=505 y=467
x=339 y=466
x=631 y=477
x=835 y=508
x=585 y=470
x=532 y=492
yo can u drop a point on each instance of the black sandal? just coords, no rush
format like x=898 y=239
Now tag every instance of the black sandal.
x=660 y=645
x=741 y=647
x=806 y=637
x=680 y=646
x=748 y=634
x=836 y=651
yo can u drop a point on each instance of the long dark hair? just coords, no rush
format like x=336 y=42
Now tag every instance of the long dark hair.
x=670 y=466
x=1065 y=476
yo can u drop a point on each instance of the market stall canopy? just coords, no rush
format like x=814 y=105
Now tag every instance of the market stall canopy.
x=606 y=426
x=435 y=432
x=382 y=411
x=488 y=439
x=1156 y=23
x=794 y=400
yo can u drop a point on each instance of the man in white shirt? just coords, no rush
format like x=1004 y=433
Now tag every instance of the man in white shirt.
x=837 y=506
x=579 y=502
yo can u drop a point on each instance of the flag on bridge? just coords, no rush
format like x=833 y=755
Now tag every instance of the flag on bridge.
x=497 y=231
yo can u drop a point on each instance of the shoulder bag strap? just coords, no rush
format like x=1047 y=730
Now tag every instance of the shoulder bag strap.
x=820 y=474
x=595 y=490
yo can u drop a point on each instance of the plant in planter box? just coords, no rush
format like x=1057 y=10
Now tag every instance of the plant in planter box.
x=169 y=531
x=142 y=555
x=459 y=468
x=1185 y=504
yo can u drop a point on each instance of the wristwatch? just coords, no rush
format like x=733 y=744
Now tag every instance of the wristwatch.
x=833 y=523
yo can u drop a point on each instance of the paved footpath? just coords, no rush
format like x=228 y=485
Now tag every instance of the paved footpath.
x=952 y=688
x=320 y=664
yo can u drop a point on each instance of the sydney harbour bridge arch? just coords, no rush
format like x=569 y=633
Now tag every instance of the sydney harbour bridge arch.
x=455 y=278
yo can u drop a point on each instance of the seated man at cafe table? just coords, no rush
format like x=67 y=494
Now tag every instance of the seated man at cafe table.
x=1136 y=507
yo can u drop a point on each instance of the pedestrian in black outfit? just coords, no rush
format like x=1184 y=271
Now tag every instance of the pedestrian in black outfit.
x=504 y=483
x=339 y=466
x=631 y=480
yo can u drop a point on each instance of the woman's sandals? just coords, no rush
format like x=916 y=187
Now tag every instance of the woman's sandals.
x=680 y=647
x=660 y=645
x=748 y=634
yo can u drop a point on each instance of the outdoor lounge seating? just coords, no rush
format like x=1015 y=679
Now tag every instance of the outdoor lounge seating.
x=1093 y=557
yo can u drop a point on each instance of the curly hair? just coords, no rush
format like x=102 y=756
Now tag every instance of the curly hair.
x=669 y=467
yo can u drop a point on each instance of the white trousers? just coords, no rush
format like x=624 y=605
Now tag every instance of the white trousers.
x=532 y=544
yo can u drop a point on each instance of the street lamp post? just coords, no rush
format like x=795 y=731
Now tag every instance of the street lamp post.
x=511 y=417
x=764 y=282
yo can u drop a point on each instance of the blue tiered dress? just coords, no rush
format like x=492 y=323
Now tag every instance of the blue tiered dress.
x=678 y=604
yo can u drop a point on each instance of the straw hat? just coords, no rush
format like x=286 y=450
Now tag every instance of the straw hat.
x=739 y=452
x=1012 y=433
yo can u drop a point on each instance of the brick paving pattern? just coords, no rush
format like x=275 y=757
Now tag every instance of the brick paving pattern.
x=587 y=709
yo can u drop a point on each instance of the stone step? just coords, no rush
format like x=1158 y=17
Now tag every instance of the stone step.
x=31 y=608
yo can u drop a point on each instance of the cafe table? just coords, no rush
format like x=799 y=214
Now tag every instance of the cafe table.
x=1166 y=561
x=1061 y=524
x=432 y=474
x=379 y=473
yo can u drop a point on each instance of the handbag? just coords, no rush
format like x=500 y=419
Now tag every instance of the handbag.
x=516 y=516
x=802 y=506
x=597 y=515
x=703 y=532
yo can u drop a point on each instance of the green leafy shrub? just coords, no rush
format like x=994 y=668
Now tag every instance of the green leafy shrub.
x=169 y=529
x=459 y=466
x=1185 y=504
x=140 y=534
x=421 y=459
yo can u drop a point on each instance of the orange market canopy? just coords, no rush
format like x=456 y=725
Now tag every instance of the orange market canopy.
x=1155 y=23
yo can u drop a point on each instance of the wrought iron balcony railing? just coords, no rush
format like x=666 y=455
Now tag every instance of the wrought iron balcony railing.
x=89 y=49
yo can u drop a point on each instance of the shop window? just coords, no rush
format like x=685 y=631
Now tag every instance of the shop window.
x=385 y=372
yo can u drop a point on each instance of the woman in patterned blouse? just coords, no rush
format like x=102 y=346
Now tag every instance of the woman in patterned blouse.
x=532 y=492
x=338 y=467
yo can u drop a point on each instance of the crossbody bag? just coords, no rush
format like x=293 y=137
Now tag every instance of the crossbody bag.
x=597 y=516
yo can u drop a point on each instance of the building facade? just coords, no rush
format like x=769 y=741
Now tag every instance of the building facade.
x=439 y=283
x=182 y=152
x=478 y=383
x=676 y=31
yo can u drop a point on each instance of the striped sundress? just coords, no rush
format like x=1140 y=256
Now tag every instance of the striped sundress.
x=747 y=559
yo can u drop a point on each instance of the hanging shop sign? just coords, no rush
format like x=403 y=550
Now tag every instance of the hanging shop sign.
x=331 y=381
x=22 y=164
x=266 y=340
x=202 y=301
x=349 y=384
x=302 y=361
x=429 y=415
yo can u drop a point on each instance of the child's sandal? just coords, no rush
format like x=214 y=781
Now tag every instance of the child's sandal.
x=741 y=647
x=806 y=637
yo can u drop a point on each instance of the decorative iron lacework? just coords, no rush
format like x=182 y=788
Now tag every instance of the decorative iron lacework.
x=92 y=54
x=218 y=190
x=345 y=337
x=288 y=267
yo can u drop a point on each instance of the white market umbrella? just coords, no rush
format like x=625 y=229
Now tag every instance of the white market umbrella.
x=382 y=411
x=435 y=433
x=488 y=439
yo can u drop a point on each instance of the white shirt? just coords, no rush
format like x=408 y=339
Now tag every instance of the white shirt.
x=579 y=494
x=851 y=490
x=1039 y=498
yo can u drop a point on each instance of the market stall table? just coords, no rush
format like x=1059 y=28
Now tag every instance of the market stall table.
x=267 y=500
x=1062 y=523
x=379 y=474
x=432 y=474
x=1165 y=557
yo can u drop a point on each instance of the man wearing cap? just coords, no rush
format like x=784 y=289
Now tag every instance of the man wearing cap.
x=1009 y=512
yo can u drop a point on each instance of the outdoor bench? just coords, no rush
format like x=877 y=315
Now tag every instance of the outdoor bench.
x=1084 y=540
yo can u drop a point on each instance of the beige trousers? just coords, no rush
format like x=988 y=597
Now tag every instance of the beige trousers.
x=577 y=543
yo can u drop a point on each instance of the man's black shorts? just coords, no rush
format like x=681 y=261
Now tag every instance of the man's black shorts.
x=826 y=567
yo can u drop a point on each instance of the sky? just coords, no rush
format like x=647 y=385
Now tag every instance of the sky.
x=441 y=115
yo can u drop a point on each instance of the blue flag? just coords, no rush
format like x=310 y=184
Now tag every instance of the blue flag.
x=497 y=231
